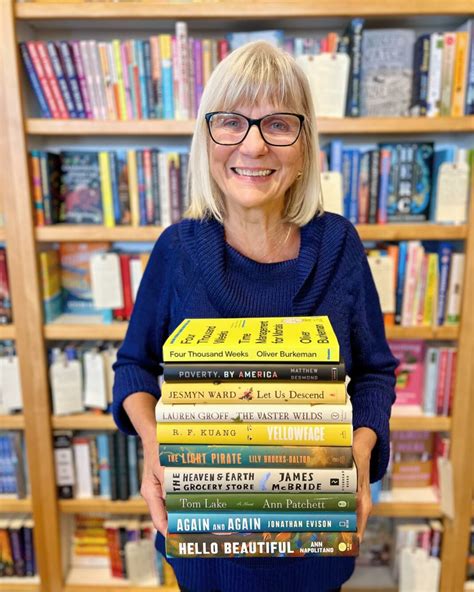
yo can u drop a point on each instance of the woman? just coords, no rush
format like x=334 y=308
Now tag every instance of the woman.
x=257 y=243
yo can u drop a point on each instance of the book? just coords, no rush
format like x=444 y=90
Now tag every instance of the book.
x=205 y=455
x=255 y=433
x=410 y=376
x=258 y=480
x=237 y=371
x=282 y=544
x=256 y=522
x=253 y=413
x=265 y=339
x=263 y=502
x=254 y=393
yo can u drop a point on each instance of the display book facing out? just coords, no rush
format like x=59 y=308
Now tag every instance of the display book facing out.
x=255 y=434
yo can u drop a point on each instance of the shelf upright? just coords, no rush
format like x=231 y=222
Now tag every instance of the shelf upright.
x=26 y=294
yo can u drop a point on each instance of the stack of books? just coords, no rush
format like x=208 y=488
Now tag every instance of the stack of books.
x=255 y=434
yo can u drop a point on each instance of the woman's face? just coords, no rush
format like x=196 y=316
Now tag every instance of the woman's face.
x=234 y=168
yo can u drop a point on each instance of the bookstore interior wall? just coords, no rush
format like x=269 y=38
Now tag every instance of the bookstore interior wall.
x=38 y=233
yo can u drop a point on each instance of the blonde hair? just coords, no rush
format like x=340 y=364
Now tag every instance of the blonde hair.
x=256 y=72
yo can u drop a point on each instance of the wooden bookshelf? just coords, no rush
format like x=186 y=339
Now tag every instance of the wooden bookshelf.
x=326 y=126
x=7 y=331
x=116 y=331
x=12 y=422
x=239 y=9
x=2 y=234
x=19 y=584
x=11 y=505
x=92 y=421
x=373 y=232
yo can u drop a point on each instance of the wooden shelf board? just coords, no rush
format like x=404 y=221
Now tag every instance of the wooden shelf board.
x=12 y=422
x=407 y=510
x=428 y=333
x=422 y=423
x=15 y=505
x=383 y=232
x=20 y=584
x=99 y=579
x=238 y=9
x=7 y=331
x=326 y=126
x=83 y=421
x=2 y=234
x=81 y=233
x=114 y=331
x=79 y=506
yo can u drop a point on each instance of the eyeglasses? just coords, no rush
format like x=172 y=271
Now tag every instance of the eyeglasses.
x=276 y=129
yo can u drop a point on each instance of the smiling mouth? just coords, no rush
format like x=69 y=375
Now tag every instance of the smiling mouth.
x=252 y=173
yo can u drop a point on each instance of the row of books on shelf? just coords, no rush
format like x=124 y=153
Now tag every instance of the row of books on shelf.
x=5 y=299
x=371 y=72
x=17 y=552
x=389 y=183
x=125 y=547
x=397 y=182
x=13 y=465
x=136 y=187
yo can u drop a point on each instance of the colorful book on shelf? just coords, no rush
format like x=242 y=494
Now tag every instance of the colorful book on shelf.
x=207 y=455
x=241 y=480
x=263 y=502
x=81 y=187
x=410 y=376
x=338 y=434
x=265 y=339
x=263 y=544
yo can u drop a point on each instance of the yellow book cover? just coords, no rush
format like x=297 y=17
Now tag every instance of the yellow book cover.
x=253 y=392
x=460 y=74
x=133 y=187
x=293 y=434
x=106 y=189
x=144 y=258
x=121 y=87
x=50 y=272
x=206 y=60
x=429 y=309
x=271 y=339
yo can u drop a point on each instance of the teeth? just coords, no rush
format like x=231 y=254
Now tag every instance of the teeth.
x=249 y=173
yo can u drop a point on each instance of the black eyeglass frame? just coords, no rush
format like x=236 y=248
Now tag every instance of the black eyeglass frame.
x=252 y=122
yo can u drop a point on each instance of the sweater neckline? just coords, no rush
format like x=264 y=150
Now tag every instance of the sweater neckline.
x=208 y=246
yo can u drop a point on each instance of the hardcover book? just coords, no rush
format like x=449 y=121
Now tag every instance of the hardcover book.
x=81 y=187
x=263 y=544
x=266 y=339
x=256 y=393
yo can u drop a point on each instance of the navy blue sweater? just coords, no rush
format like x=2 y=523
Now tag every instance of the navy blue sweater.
x=192 y=272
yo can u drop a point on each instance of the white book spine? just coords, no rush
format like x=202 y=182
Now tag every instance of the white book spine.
x=414 y=261
x=82 y=461
x=98 y=77
x=434 y=74
x=182 y=58
x=165 y=198
x=258 y=480
x=89 y=76
x=453 y=307
x=254 y=413
x=431 y=381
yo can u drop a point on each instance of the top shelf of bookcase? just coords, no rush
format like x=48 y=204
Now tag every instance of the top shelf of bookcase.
x=239 y=9
x=329 y=126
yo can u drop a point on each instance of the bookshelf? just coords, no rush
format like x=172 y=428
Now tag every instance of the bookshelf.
x=23 y=239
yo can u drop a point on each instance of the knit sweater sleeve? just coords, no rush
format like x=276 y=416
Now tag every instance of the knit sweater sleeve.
x=138 y=360
x=372 y=384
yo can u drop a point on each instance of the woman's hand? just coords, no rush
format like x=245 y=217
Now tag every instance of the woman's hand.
x=364 y=441
x=152 y=489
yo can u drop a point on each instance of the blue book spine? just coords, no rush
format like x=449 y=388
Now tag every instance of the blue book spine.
x=115 y=189
x=71 y=75
x=354 y=187
x=353 y=95
x=141 y=187
x=167 y=89
x=402 y=261
x=445 y=252
x=142 y=77
x=133 y=466
x=346 y=182
x=447 y=154
x=59 y=73
x=431 y=381
x=420 y=74
x=34 y=81
x=3 y=467
x=384 y=182
x=148 y=80
x=469 y=108
x=104 y=465
x=258 y=522
x=335 y=156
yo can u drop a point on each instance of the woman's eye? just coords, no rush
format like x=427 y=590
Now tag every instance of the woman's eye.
x=279 y=125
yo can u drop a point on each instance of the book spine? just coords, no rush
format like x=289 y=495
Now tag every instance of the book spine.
x=43 y=80
x=431 y=380
x=420 y=72
x=459 y=76
x=469 y=107
x=251 y=522
x=71 y=75
x=442 y=372
x=81 y=77
x=258 y=392
x=28 y=546
x=53 y=82
x=454 y=296
x=383 y=188
x=104 y=465
x=121 y=460
x=255 y=372
x=35 y=81
x=64 y=464
x=445 y=256
x=298 y=544
x=447 y=72
x=61 y=79
x=149 y=201
x=434 y=74
x=261 y=502
x=260 y=480
x=196 y=455
x=155 y=174
x=150 y=101
x=16 y=545
x=253 y=413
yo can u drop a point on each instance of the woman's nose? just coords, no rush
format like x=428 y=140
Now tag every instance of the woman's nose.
x=254 y=142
